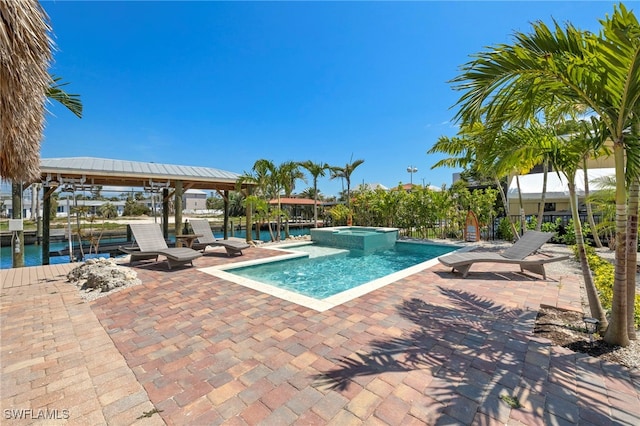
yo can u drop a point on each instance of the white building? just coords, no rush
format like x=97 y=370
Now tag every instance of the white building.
x=557 y=193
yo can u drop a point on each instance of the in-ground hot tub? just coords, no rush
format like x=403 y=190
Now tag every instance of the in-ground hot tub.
x=367 y=239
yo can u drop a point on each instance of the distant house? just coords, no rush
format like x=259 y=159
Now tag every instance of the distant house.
x=93 y=207
x=300 y=209
x=557 y=193
x=408 y=187
x=371 y=187
x=194 y=199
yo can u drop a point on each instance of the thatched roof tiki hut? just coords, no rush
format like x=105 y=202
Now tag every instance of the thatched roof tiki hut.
x=25 y=54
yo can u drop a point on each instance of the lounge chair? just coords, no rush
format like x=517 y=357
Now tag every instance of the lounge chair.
x=519 y=253
x=150 y=244
x=202 y=227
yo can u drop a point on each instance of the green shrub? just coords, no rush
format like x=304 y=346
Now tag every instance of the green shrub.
x=340 y=214
x=551 y=226
x=569 y=238
x=603 y=277
x=504 y=230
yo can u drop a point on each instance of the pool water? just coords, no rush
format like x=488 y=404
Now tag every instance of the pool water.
x=337 y=270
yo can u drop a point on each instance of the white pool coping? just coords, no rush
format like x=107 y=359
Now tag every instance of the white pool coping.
x=319 y=305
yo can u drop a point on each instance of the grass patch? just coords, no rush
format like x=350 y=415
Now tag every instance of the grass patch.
x=511 y=401
x=149 y=413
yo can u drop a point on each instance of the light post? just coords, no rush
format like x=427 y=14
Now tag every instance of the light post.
x=591 y=324
x=411 y=171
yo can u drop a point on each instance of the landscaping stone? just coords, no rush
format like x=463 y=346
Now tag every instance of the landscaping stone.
x=102 y=275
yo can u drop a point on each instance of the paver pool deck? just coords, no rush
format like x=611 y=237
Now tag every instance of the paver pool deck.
x=185 y=347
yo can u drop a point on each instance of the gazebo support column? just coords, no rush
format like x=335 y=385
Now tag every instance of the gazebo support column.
x=225 y=222
x=17 y=252
x=46 y=223
x=178 y=207
x=165 y=212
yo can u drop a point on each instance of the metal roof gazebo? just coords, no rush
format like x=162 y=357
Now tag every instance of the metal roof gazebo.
x=172 y=180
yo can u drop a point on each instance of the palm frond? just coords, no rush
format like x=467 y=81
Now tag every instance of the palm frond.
x=56 y=92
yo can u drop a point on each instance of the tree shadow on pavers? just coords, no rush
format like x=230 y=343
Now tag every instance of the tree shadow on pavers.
x=482 y=360
x=418 y=348
x=217 y=254
x=514 y=275
x=160 y=266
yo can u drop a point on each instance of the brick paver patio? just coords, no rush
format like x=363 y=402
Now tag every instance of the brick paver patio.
x=189 y=348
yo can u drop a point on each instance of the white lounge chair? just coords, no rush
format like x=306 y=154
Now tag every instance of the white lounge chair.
x=207 y=239
x=150 y=244
x=519 y=253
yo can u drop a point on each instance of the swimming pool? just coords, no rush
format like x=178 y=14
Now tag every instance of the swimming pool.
x=321 y=277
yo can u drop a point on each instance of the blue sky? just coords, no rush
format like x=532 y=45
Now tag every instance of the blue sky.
x=222 y=84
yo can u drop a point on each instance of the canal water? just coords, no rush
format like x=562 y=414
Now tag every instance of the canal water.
x=33 y=253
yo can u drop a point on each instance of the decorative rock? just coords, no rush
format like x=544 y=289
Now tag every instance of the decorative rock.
x=102 y=275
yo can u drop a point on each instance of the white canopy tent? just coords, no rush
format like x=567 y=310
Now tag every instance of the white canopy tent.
x=557 y=186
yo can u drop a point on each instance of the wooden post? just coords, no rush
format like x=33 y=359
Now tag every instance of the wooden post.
x=178 y=212
x=38 y=218
x=46 y=223
x=225 y=226
x=17 y=247
x=165 y=212
x=38 y=230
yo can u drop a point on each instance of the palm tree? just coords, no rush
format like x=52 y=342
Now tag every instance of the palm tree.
x=566 y=156
x=288 y=172
x=516 y=151
x=26 y=54
x=572 y=67
x=474 y=150
x=315 y=170
x=598 y=137
x=604 y=201
x=485 y=152
x=235 y=204
x=345 y=173
x=261 y=176
x=108 y=210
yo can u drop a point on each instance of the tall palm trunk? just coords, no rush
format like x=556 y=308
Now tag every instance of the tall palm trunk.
x=632 y=255
x=592 y=294
x=505 y=203
x=523 y=218
x=543 y=198
x=286 y=227
x=315 y=204
x=592 y=223
x=617 y=333
x=271 y=234
x=279 y=219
